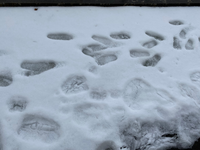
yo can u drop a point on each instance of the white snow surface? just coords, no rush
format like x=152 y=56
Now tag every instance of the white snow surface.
x=99 y=78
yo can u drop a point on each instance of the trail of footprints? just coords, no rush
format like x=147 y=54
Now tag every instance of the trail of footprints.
x=152 y=43
x=177 y=43
x=189 y=44
x=97 y=50
x=37 y=127
x=153 y=60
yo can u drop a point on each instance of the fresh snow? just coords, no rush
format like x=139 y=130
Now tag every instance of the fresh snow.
x=99 y=78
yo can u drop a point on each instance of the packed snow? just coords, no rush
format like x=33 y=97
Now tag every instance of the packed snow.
x=99 y=78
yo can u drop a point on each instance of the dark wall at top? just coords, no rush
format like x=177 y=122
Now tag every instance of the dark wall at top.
x=99 y=2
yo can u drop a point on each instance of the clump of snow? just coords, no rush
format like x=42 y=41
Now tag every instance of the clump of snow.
x=94 y=78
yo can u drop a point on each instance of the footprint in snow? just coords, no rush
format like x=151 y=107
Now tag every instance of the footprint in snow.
x=138 y=53
x=155 y=35
x=74 y=84
x=183 y=33
x=176 y=43
x=39 y=128
x=189 y=45
x=17 y=103
x=59 y=36
x=37 y=67
x=152 y=61
x=97 y=50
x=120 y=36
x=106 y=41
x=5 y=80
x=92 y=49
x=176 y=22
x=104 y=59
x=150 y=44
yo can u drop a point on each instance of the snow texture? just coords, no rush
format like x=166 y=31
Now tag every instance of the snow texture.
x=99 y=78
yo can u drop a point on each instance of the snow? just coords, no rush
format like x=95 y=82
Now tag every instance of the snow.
x=99 y=78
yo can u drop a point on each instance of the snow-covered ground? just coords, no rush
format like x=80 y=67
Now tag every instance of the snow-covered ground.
x=95 y=78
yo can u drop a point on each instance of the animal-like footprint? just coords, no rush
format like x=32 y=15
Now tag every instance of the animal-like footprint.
x=5 y=80
x=154 y=35
x=138 y=53
x=120 y=36
x=183 y=33
x=152 y=61
x=37 y=67
x=189 y=45
x=150 y=44
x=17 y=103
x=104 y=59
x=176 y=43
x=74 y=84
x=176 y=22
x=59 y=36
